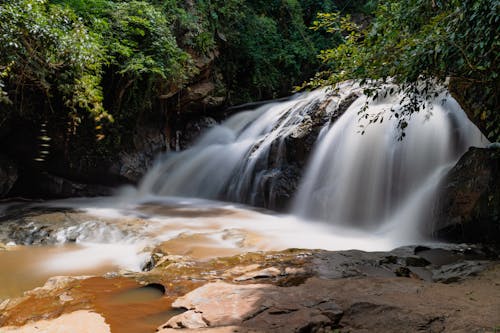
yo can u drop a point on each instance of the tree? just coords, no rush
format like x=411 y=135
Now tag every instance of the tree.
x=416 y=42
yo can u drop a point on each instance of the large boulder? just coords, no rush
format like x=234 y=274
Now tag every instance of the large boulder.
x=132 y=164
x=469 y=206
x=8 y=175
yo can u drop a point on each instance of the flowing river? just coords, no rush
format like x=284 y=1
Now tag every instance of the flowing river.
x=368 y=191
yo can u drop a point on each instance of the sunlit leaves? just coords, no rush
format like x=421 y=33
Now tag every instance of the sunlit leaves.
x=410 y=41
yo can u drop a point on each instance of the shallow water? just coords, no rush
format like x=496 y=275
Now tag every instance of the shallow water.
x=25 y=267
x=105 y=234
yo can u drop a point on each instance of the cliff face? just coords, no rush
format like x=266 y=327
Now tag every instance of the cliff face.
x=469 y=208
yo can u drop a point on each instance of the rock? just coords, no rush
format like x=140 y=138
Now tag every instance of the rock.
x=260 y=306
x=189 y=319
x=469 y=207
x=224 y=329
x=199 y=91
x=239 y=270
x=402 y=272
x=365 y=317
x=281 y=170
x=494 y=145
x=193 y=129
x=8 y=175
x=54 y=186
x=416 y=261
x=82 y=321
x=55 y=284
x=133 y=163
x=269 y=272
x=458 y=271
x=475 y=100
x=326 y=299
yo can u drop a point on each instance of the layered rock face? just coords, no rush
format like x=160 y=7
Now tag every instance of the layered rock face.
x=469 y=206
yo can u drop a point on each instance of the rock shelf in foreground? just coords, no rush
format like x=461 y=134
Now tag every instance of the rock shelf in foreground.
x=452 y=289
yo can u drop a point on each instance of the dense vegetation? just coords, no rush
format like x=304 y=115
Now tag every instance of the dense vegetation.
x=92 y=70
x=111 y=59
x=414 y=42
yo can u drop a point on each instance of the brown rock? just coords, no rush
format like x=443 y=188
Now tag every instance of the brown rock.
x=199 y=91
x=189 y=319
x=259 y=306
x=270 y=272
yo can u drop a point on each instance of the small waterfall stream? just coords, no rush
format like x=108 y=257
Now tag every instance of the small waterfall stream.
x=361 y=180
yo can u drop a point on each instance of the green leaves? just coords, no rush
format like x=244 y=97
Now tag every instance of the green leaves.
x=409 y=41
x=48 y=50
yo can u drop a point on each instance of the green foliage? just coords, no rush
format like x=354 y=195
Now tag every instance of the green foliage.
x=47 y=51
x=59 y=56
x=91 y=62
x=266 y=47
x=415 y=41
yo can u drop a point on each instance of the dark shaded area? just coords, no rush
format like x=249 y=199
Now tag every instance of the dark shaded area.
x=469 y=206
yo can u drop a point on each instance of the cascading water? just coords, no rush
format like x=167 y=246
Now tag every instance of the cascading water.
x=227 y=162
x=375 y=178
x=365 y=181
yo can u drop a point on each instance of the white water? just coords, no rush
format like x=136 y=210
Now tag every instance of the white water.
x=227 y=163
x=374 y=179
x=363 y=181
x=369 y=192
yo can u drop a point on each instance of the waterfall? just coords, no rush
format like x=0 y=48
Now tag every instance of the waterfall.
x=227 y=162
x=376 y=178
x=367 y=180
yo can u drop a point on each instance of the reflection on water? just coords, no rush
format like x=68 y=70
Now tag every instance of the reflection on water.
x=23 y=268
x=140 y=295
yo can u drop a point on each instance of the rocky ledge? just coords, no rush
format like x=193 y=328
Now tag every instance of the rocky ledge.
x=450 y=288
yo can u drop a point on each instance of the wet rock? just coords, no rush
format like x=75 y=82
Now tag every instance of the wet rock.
x=458 y=271
x=133 y=163
x=364 y=300
x=469 y=206
x=344 y=104
x=281 y=171
x=416 y=261
x=193 y=129
x=8 y=175
x=40 y=226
